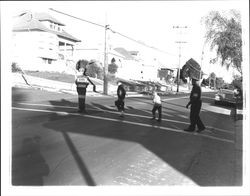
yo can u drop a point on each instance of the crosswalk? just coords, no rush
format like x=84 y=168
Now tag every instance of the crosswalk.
x=135 y=117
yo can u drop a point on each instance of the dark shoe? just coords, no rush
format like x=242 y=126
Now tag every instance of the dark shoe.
x=152 y=118
x=200 y=130
x=188 y=130
x=159 y=120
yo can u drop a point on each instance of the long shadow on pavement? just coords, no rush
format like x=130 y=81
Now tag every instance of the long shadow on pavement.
x=28 y=164
x=85 y=173
x=176 y=149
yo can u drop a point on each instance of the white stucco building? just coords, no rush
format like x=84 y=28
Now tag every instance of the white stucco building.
x=40 y=42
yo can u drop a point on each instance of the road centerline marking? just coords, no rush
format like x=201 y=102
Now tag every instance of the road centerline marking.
x=127 y=114
x=127 y=122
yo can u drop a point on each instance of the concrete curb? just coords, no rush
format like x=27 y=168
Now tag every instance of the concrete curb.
x=26 y=81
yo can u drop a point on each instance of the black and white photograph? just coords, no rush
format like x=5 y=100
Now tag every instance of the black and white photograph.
x=125 y=98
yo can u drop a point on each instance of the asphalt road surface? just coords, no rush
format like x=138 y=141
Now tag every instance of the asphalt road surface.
x=53 y=144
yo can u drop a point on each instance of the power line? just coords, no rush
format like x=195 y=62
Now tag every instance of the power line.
x=113 y=31
x=139 y=42
x=77 y=18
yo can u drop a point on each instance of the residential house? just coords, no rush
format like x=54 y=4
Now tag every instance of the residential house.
x=41 y=43
x=128 y=66
x=135 y=66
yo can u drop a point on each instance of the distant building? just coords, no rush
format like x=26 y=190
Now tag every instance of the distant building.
x=136 y=67
x=40 y=42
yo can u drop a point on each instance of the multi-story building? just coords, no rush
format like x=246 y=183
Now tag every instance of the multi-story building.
x=41 y=43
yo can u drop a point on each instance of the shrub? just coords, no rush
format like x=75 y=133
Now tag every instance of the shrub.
x=81 y=64
x=15 y=67
x=94 y=70
x=112 y=68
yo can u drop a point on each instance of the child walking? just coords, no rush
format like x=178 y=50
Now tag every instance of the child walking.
x=121 y=93
x=157 y=106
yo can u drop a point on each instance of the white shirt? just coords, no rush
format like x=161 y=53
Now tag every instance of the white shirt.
x=156 y=99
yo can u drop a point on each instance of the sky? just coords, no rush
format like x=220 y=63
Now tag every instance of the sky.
x=150 y=22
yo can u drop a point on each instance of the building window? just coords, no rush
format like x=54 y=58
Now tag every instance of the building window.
x=61 y=56
x=49 y=61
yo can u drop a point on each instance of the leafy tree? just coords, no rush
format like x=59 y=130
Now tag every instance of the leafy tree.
x=94 y=70
x=237 y=81
x=224 y=34
x=81 y=64
x=15 y=67
x=112 y=68
x=164 y=73
x=212 y=75
x=113 y=60
x=212 y=79
x=205 y=82
x=219 y=82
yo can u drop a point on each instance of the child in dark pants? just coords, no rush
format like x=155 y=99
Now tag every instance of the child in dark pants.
x=157 y=106
x=121 y=93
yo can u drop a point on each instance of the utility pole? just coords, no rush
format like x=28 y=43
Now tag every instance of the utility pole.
x=202 y=55
x=201 y=62
x=105 y=79
x=179 y=42
x=178 y=79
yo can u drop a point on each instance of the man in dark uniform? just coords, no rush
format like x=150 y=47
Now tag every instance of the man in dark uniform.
x=195 y=102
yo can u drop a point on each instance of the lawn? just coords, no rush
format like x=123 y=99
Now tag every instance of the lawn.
x=61 y=77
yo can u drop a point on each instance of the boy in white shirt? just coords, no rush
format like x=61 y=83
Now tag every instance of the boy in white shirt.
x=157 y=106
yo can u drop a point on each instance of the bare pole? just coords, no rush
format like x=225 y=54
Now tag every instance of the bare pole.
x=105 y=81
x=202 y=55
x=179 y=42
x=179 y=66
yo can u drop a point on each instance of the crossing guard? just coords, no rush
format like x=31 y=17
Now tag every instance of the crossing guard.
x=81 y=86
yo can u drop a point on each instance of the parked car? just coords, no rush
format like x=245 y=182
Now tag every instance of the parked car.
x=228 y=95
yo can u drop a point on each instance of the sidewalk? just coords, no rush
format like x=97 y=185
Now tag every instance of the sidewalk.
x=26 y=81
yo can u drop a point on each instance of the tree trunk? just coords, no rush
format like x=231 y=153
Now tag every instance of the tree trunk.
x=189 y=84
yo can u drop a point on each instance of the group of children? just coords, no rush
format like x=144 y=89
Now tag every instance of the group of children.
x=121 y=93
x=195 y=102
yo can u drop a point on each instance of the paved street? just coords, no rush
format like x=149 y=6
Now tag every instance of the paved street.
x=52 y=144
